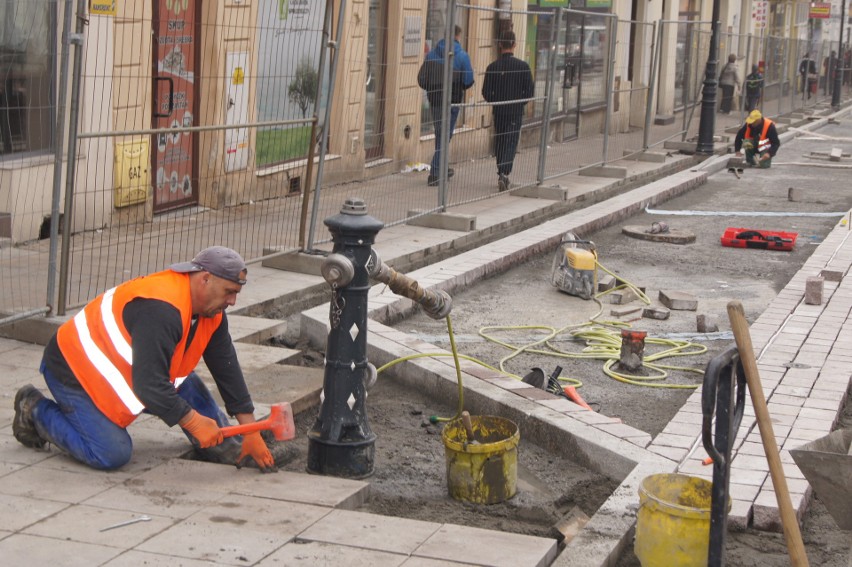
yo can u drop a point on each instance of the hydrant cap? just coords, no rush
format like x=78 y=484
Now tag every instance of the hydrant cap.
x=354 y=206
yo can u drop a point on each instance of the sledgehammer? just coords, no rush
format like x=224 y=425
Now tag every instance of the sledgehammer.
x=279 y=422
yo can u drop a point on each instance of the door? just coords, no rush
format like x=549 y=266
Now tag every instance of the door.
x=374 y=100
x=571 y=74
x=175 y=63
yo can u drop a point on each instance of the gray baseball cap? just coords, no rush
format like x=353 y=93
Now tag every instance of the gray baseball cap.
x=220 y=261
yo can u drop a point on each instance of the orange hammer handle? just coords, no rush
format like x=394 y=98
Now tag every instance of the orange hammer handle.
x=232 y=430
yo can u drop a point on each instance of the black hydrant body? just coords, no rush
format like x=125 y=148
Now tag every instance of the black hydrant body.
x=341 y=442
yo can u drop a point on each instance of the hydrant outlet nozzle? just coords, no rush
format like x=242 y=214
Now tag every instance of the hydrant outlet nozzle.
x=338 y=270
x=436 y=303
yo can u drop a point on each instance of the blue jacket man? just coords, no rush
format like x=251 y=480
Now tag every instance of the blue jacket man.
x=430 y=79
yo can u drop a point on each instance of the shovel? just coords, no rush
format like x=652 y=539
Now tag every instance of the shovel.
x=279 y=422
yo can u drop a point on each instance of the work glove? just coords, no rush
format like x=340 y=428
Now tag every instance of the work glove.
x=255 y=447
x=205 y=430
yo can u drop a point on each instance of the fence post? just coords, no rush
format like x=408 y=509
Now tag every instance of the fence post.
x=446 y=99
x=609 y=85
x=309 y=168
x=548 y=98
x=59 y=149
x=71 y=170
x=650 y=109
x=332 y=75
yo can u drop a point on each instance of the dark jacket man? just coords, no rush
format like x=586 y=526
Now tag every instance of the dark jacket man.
x=508 y=85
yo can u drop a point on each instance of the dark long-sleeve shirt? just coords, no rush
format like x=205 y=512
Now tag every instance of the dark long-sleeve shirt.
x=155 y=330
x=771 y=135
x=508 y=78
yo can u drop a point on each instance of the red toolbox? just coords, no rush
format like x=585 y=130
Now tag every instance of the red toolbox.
x=763 y=239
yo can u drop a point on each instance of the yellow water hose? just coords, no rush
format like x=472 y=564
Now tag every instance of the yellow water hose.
x=603 y=342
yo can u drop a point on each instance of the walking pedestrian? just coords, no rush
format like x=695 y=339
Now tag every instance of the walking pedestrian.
x=134 y=349
x=753 y=88
x=430 y=78
x=729 y=81
x=758 y=138
x=507 y=80
x=807 y=74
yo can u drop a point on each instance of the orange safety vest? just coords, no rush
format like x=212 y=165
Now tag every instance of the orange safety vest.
x=763 y=144
x=99 y=349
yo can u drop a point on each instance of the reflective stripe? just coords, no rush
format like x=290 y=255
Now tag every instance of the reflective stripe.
x=179 y=381
x=105 y=366
x=764 y=145
x=121 y=346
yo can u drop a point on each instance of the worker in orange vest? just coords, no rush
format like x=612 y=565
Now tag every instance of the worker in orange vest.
x=758 y=138
x=134 y=349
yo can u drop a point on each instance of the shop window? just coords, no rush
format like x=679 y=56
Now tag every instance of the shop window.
x=27 y=42
x=436 y=22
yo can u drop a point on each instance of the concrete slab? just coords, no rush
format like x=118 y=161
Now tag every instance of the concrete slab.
x=18 y=512
x=252 y=358
x=312 y=554
x=608 y=171
x=84 y=524
x=318 y=490
x=447 y=221
x=38 y=482
x=254 y=329
x=236 y=530
x=298 y=385
x=551 y=192
x=359 y=529
x=135 y=558
x=20 y=549
x=177 y=502
x=487 y=547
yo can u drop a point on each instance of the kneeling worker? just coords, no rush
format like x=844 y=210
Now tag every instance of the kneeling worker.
x=134 y=349
x=759 y=139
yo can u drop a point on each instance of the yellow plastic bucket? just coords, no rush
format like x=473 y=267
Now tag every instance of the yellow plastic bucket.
x=673 y=523
x=484 y=472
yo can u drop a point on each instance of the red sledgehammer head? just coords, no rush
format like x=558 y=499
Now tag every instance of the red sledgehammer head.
x=279 y=422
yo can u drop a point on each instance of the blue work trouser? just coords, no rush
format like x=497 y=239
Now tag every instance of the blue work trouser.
x=74 y=424
x=507 y=132
x=436 y=120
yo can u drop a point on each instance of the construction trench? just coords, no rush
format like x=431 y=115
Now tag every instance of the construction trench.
x=565 y=473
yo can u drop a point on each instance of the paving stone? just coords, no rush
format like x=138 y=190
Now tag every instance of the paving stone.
x=813 y=290
x=21 y=549
x=487 y=547
x=678 y=300
x=624 y=311
x=134 y=558
x=659 y=313
x=84 y=524
x=360 y=529
x=237 y=530
x=312 y=554
x=706 y=323
x=622 y=296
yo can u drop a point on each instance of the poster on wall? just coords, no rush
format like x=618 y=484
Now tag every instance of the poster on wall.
x=174 y=85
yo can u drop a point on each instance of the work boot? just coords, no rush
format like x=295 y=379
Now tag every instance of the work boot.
x=432 y=181
x=23 y=426
x=502 y=183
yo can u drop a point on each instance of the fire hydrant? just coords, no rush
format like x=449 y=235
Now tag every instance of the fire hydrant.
x=341 y=442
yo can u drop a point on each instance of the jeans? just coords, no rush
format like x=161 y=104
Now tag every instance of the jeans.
x=507 y=129
x=436 y=120
x=74 y=424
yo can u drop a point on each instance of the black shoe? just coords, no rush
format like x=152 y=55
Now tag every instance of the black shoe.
x=502 y=183
x=450 y=172
x=23 y=426
x=432 y=181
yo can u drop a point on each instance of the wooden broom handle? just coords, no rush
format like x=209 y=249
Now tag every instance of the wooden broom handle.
x=789 y=522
